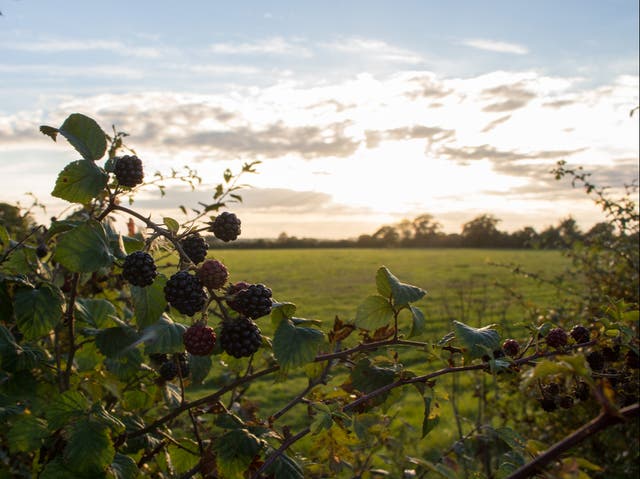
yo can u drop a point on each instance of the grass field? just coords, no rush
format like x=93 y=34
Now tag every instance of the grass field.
x=461 y=285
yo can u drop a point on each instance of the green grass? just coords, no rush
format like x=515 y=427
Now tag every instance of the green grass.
x=461 y=285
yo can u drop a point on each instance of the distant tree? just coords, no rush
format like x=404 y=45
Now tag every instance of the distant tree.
x=18 y=224
x=526 y=237
x=426 y=230
x=569 y=231
x=602 y=232
x=482 y=232
x=388 y=235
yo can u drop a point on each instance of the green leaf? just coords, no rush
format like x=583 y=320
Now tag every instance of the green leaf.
x=89 y=449
x=117 y=341
x=367 y=376
x=27 y=434
x=294 y=346
x=85 y=135
x=171 y=224
x=199 y=367
x=4 y=238
x=165 y=336
x=23 y=358
x=6 y=304
x=382 y=283
x=285 y=468
x=375 y=312
x=84 y=249
x=79 y=182
x=235 y=451
x=50 y=131
x=477 y=341
x=401 y=293
x=418 y=324
x=149 y=302
x=430 y=420
x=65 y=406
x=105 y=417
x=38 y=310
x=565 y=365
x=125 y=366
x=280 y=311
x=124 y=467
x=171 y=395
x=95 y=312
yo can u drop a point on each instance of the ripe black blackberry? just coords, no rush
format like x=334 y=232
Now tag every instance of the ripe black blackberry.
x=565 y=402
x=42 y=250
x=548 y=404
x=595 y=360
x=253 y=301
x=234 y=289
x=226 y=226
x=184 y=292
x=631 y=359
x=213 y=274
x=139 y=269
x=240 y=337
x=199 y=339
x=580 y=334
x=556 y=338
x=551 y=389
x=581 y=391
x=169 y=369
x=128 y=170
x=195 y=247
x=611 y=354
x=511 y=347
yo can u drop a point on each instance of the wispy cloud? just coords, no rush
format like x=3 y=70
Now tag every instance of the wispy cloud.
x=270 y=46
x=98 y=71
x=496 y=46
x=377 y=48
x=57 y=46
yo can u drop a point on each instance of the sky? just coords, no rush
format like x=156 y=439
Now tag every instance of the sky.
x=362 y=113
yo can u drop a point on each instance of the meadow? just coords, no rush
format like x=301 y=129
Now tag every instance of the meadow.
x=465 y=285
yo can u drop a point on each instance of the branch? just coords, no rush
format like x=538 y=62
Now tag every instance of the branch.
x=603 y=421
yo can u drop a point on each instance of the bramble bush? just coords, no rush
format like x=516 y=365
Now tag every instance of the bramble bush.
x=105 y=339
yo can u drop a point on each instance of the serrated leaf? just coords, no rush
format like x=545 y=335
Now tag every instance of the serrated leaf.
x=382 y=283
x=429 y=420
x=280 y=311
x=294 y=346
x=477 y=341
x=367 y=376
x=235 y=451
x=125 y=366
x=85 y=135
x=171 y=224
x=95 y=312
x=418 y=322
x=4 y=238
x=105 y=417
x=165 y=336
x=84 y=249
x=38 y=310
x=402 y=293
x=27 y=433
x=565 y=365
x=23 y=358
x=171 y=395
x=149 y=302
x=50 y=131
x=117 y=341
x=375 y=312
x=199 y=367
x=65 y=406
x=124 y=467
x=79 y=182
x=285 y=468
x=89 y=449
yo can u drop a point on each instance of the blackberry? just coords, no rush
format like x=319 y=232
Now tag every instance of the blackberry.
x=139 y=269
x=199 y=339
x=548 y=404
x=551 y=389
x=169 y=369
x=240 y=337
x=631 y=359
x=595 y=360
x=226 y=226
x=213 y=274
x=128 y=170
x=254 y=301
x=195 y=247
x=611 y=354
x=511 y=347
x=42 y=250
x=158 y=358
x=565 y=402
x=580 y=334
x=581 y=391
x=184 y=292
x=232 y=290
x=556 y=338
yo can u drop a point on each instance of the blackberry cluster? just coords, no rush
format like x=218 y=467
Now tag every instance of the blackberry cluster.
x=226 y=226
x=581 y=391
x=128 y=170
x=557 y=337
x=254 y=301
x=511 y=347
x=195 y=247
x=232 y=290
x=595 y=360
x=169 y=369
x=199 y=339
x=240 y=337
x=139 y=269
x=580 y=334
x=213 y=274
x=184 y=292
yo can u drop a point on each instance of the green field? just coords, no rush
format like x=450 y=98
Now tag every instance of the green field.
x=461 y=285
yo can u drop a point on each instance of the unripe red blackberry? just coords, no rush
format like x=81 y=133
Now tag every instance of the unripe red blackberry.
x=195 y=247
x=556 y=338
x=511 y=347
x=240 y=337
x=580 y=334
x=581 y=391
x=213 y=274
x=565 y=402
x=199 y=339
x=184 y=292
x=234 y=289
x=226 y=226
x=631 y=359
x=128 y=170
x=139 y=269
x=595 y=360
x=254 y=301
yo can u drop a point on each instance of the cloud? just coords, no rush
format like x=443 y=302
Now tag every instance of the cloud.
x=374 y=137
x=496 y=46
x=512 y=97
x=269 y=46
x=495 y=123
x=503 y=158
x=57 y=71
x=377 y=49
x=62 y=46
x=559 y=103
x=429 y=87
